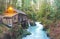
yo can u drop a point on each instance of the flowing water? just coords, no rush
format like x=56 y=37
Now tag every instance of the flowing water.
x=36 y=32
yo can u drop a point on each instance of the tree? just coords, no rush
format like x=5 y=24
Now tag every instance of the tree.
x=2 y=5
x=5 y=3
x=57 y=2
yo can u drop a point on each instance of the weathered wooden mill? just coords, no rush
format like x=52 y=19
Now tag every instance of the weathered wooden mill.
x=11 y=16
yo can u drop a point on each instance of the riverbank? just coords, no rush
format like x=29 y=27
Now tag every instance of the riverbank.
x=17 y=32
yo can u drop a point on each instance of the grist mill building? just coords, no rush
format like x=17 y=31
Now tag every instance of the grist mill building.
x=11 y=16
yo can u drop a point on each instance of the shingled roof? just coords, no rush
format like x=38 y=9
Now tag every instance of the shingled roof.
x=19 y=11
x=11 y=12
x=14 y=10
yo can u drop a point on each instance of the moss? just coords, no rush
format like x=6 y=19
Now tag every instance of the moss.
x=25 y=33
x=19 y=32
x=1 y=31
x=48 y=30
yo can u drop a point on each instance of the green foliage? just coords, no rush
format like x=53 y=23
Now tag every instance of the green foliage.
x=1 y=31
x=19 y=32
x=44 y=13
x=57 y=2
x=23 y=34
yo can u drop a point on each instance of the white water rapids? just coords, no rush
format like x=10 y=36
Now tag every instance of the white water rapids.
x=37 y=32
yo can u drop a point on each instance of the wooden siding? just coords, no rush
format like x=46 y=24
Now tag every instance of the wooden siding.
x=21 y=18
x=15 y=18
x=7 y=21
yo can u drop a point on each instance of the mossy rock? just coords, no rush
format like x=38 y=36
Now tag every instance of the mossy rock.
x=32 y=24
x=26 y=33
